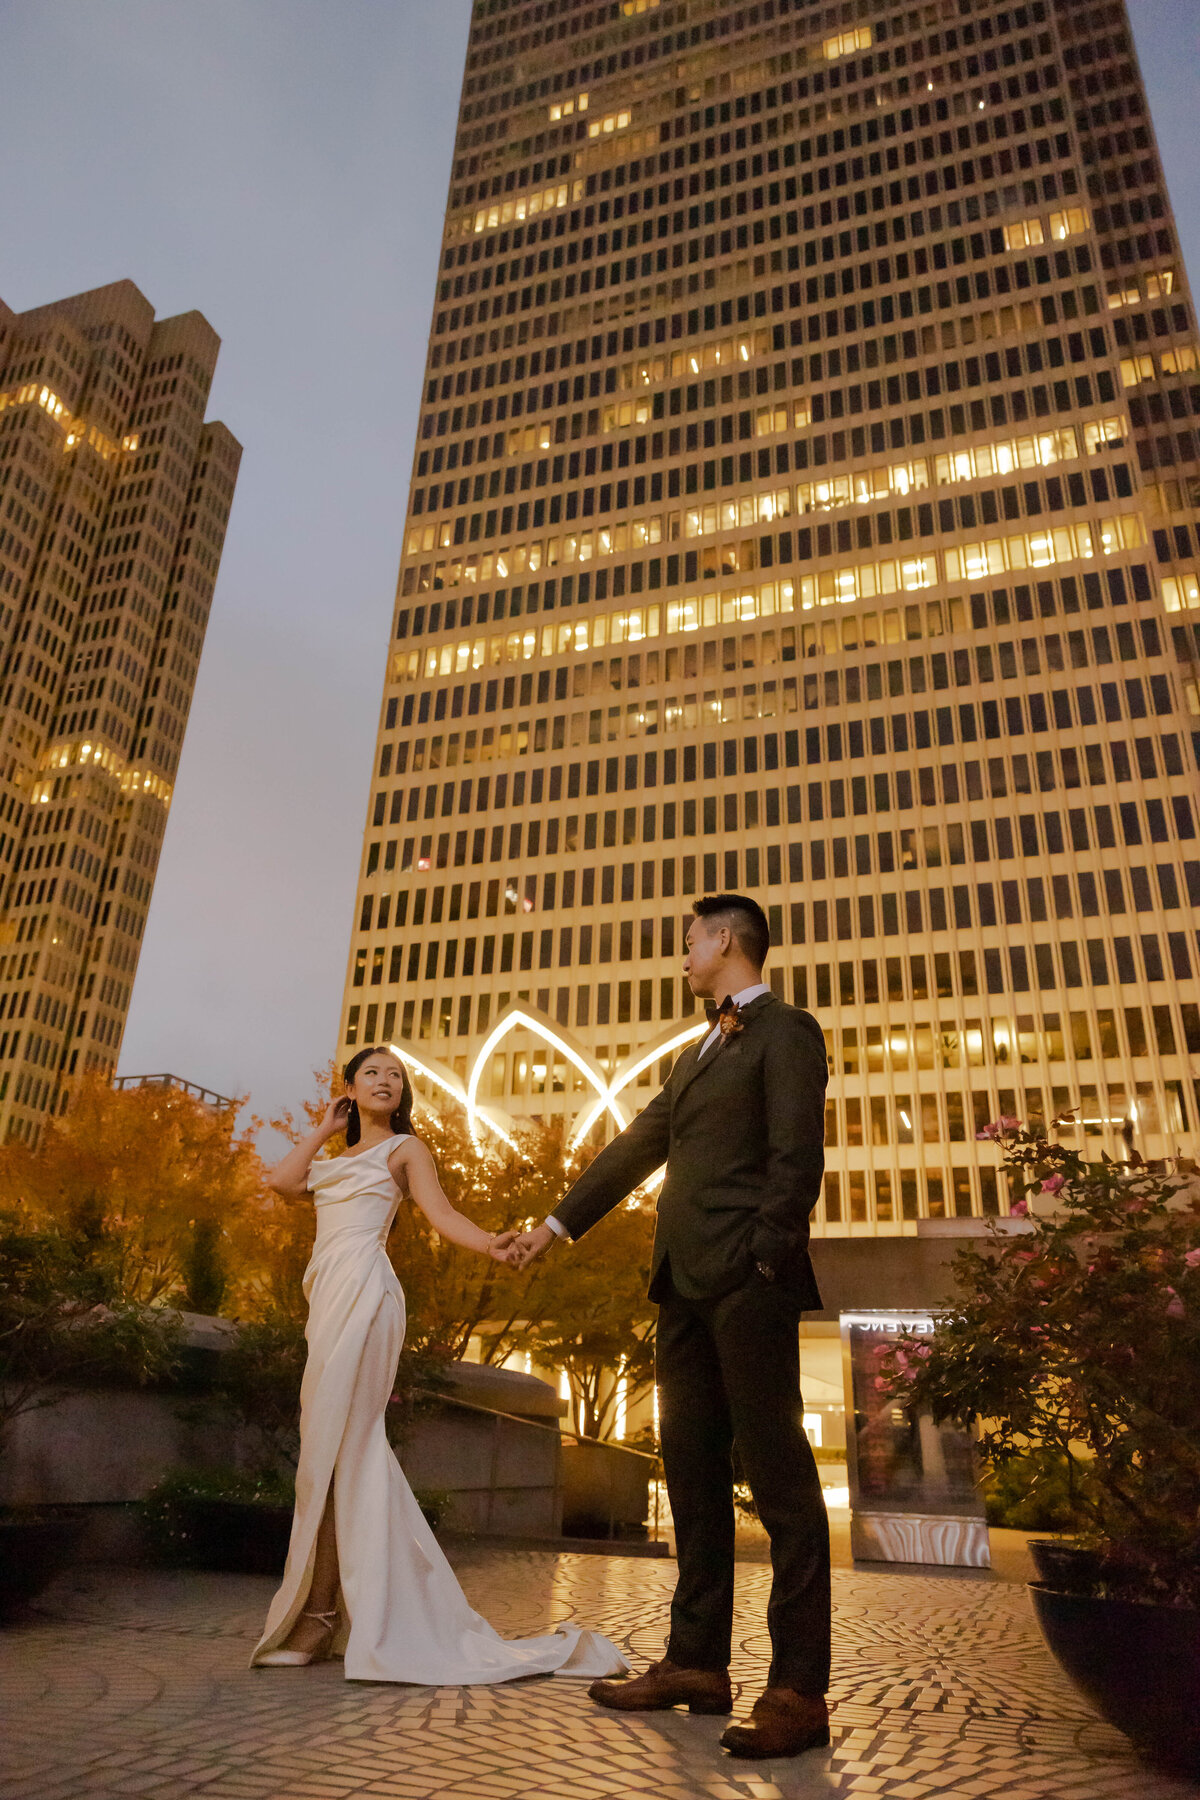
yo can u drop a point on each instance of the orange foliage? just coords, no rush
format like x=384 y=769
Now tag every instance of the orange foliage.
x=138 y=1178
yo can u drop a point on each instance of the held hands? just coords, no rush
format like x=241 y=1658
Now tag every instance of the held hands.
x=501 y=1248
x=530 y=1244
x=517 y=1248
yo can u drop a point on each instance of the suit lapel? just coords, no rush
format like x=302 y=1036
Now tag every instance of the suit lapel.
x=688 y=1073
x=701 y=1063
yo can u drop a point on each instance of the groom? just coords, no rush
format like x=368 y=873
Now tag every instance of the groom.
x=740 y=1126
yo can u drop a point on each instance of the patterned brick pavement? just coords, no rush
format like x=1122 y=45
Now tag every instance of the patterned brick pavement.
x=135 y=1684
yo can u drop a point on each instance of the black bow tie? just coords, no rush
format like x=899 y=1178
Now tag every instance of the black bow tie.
x=713 y=1012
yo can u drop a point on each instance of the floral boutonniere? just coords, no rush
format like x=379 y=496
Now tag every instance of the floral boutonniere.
x=730 y=1023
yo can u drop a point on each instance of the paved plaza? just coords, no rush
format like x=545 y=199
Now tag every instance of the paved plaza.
x=134 y=1683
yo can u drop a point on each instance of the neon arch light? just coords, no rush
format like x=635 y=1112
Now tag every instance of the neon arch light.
x=451 y=1085
x=629 y=1071
x=540 y=1027
x=527 y=1018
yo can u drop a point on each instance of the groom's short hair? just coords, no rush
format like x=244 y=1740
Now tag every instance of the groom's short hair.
x=745 y=919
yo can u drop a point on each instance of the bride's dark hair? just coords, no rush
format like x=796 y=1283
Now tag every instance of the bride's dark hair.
x=401 y=1119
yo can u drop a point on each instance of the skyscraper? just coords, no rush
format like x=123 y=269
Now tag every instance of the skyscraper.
x=804 y=502
x=114 y=495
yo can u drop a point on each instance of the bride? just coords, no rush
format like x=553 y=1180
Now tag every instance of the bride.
x=365 y=1576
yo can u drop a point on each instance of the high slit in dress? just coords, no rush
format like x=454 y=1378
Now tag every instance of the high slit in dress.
x=402 y=1614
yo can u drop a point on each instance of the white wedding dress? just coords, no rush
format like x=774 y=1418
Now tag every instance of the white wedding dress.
x=402 y=1614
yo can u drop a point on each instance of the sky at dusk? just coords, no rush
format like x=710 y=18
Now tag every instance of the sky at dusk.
x=282 y=168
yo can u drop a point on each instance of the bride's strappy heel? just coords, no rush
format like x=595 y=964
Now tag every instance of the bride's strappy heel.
x=299 y=1659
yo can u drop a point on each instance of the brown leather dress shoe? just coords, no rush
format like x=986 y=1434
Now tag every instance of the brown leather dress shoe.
x=781 y=1723
x=664 y=1685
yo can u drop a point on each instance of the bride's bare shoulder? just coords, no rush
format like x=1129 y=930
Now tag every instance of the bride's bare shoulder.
x=409 y=1156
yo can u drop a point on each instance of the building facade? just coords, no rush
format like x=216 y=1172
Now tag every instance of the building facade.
x=114 y=496
x=804 y=502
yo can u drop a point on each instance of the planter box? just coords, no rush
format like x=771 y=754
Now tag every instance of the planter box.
x=501 y=1475
x=110 y=1445
x=498 y=1456
x=32 y=1551
x=606 y=1489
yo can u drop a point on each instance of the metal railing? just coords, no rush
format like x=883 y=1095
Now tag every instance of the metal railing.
x=206 y=1096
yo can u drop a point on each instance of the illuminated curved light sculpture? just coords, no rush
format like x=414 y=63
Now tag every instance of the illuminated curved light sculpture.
x=671 y=1039
x=450 y=1084
x=514 y=1019
x=524 y=1017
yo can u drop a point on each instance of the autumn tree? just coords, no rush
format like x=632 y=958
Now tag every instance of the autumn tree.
x=455 y=1294
x=149 y=1186
x=588 y=1313
x=585 y=1311
x=271 y=1240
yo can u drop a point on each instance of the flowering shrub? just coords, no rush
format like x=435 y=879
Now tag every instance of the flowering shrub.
x=1080 y=1337
x=172 y=1521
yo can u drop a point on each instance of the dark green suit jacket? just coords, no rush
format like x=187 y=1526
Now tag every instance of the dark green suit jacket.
x=742 y=1132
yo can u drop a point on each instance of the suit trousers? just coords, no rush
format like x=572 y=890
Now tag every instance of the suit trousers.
x=728 y=1373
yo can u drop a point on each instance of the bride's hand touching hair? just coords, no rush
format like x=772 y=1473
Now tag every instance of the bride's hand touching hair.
x=336 y=1115
x=289 y=1177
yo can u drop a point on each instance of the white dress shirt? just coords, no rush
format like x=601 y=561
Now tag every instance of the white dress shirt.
x=742 y=999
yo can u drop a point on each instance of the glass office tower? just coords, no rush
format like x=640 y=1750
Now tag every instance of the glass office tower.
x=804 y=502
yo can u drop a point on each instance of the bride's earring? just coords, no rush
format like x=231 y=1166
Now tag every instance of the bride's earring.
x=353 y=1125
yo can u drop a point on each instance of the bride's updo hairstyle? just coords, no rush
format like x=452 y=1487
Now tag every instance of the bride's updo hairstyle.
x=401 y=1119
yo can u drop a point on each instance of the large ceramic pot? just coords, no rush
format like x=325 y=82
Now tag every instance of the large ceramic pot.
x=33 y=1548
x=1138 y=1665
x=1064 y=1567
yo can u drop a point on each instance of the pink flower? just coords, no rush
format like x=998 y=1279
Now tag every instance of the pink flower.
x=879 y=1384
x=1009 y=1122
x=1192 y=1259
x=1019 y=1209
x=1175 y=1307
x=881 y=1350
x=1052 y=1184
x=989 y=1131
